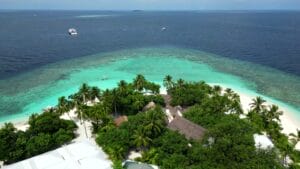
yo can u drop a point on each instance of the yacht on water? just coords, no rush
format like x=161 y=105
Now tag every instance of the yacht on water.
x=163 y=28
x=72 y=32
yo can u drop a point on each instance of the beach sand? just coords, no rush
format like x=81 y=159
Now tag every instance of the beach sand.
x=20 y=124
x=288 y=122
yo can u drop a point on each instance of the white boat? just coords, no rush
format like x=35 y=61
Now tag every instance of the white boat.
x=73 y=32
x=163 y=28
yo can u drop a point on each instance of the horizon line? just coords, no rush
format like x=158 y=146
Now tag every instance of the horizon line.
x=146 y=10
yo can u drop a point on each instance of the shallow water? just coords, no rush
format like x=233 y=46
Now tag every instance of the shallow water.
x=32 y=91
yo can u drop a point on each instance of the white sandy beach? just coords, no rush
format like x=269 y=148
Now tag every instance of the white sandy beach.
x=20 y=124
x=288 y=121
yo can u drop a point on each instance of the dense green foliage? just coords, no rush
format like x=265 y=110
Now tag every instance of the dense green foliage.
x=46 y=132
x=191 y=93
x=117 y=164
x=219 y=113
x=228 y=142
x=125 y=99
x=137 y=133
x=267 y=119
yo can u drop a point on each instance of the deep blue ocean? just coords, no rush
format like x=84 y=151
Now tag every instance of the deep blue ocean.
x=30 y=39
x=255 y=51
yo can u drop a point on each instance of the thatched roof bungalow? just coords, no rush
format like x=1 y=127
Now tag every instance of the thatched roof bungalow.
x=189 y=129
x=118 y=121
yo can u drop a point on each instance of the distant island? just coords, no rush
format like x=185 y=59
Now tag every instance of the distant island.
x=184 y=125
x=137 y=10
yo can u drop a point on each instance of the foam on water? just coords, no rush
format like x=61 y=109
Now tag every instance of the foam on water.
x=30 y=92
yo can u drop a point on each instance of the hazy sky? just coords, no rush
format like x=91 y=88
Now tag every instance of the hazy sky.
x=150 y=4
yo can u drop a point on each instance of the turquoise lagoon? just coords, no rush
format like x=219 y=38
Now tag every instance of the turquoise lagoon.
x=32 y=91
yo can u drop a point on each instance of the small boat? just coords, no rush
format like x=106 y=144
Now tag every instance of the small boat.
x=73 y=32
x=163 y=28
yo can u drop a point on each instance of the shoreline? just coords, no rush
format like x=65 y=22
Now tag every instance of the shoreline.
x=191 y=64
x=288 y=121
x=19 y=123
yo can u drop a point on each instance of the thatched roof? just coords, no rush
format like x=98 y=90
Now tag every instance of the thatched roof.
x=150 y=105
x=189 y=129
x=118 y=121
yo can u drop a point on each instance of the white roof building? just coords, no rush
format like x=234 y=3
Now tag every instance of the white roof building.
x=262 y=141
x=80 y=155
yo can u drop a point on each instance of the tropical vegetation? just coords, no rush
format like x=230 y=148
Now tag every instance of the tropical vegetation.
x=46 y=132
x=228 y=142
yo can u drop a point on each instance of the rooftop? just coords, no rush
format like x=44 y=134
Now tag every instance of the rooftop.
x=118 y=121
x=80 y=155
x=262 y=141
x=189 y=129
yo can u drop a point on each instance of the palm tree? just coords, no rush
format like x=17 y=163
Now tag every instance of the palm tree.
x=237 y=107
x=258 y=104
x=77 y=100
x=117 y=164
x=110 y=125
x=273 y=113
x=140 y=138
x=63 y=105
x=154 y=122
x=50 y=110
x=139 y=103
x=82 y=113
x=116 y=153
x=115 y=98
x=122 y=86
x=168 y=83
x=180 y=82
x=217 y=89
x=295 y=137
x=229 y=92
x=94 y=93
x=235 y=97
x=102 y=112
x=287 y=149
x=84 y=91
x=151 y=156
x=79 y=108
x=139 y=82
x=99 y=115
